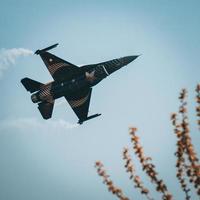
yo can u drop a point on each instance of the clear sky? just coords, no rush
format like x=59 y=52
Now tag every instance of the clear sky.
x=54 y=159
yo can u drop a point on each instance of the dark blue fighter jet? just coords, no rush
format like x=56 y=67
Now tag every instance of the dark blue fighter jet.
x=70 y=81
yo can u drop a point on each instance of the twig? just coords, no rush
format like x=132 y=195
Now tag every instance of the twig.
x=109 y=183
x=148 y=167
x=198 y=105
x=131 y=170
x=180 y=164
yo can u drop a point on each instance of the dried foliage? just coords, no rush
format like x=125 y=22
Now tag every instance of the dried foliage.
x=131 y=170
x=187 y=161
x=180 y=163
x=198 y=104
x=106 y=180
x=187 y=164
x=148 y=166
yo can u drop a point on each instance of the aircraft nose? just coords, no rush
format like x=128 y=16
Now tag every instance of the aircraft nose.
x=128 y=59
x=116 y=64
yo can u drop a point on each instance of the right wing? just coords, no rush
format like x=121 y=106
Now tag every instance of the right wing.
x=59 y=68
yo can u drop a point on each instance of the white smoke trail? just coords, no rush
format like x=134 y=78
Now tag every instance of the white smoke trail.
x=9 y=56
x=35 y=125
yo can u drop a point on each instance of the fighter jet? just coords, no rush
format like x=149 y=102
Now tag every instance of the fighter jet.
x=71 y=82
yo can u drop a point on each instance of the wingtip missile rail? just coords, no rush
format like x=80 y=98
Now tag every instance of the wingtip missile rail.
x=88 y=118
x=46 y=49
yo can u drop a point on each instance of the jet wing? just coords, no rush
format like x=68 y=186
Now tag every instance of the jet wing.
x=59 y=69
x=80 y=102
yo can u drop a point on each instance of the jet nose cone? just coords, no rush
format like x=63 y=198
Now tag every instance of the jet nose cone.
x=129 y=59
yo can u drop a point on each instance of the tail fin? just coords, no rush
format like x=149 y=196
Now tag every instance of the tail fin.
x=31 y=85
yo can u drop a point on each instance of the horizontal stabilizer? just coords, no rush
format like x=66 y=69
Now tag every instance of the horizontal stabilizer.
x=31 y=85
x=46 y=109
x=46 y=49
x=88 y=118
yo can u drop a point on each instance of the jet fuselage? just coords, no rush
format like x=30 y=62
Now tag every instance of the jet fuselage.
x=88 y=78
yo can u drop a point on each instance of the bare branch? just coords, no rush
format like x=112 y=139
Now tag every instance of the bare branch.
x=109 y=183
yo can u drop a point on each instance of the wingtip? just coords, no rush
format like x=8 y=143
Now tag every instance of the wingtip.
x=46 y=49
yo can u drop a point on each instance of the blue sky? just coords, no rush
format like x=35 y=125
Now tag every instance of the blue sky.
x=55 y=159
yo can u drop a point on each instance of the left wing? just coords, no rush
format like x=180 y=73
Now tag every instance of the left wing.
x=59 y=68
x=79 y=102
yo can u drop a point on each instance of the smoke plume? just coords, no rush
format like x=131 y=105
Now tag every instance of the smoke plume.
x=9 y=56
x=28 y=125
